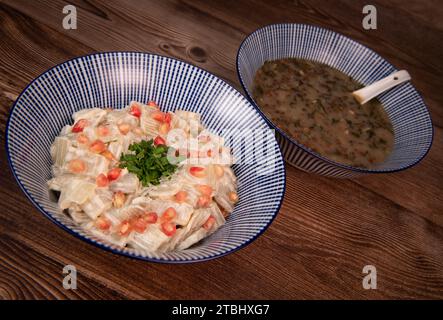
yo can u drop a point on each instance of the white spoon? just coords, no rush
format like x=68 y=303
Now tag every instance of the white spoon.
x=365 y=94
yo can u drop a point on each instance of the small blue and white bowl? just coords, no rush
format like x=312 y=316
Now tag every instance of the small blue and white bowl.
x=116 y=78
x=410 y=118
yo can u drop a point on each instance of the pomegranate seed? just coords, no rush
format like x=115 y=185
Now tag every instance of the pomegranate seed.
x=204 y=189
x=102 y=180
x=219 y=171
x=169 y=214
x=198 y=172
x=151 y=217
x=203 y=201
x=158 y=116
x=209 y=223
x=138 y=131
x=125 y=228
x=77 y=166
x=97 y=146
x=82 y=138
x=135 y=111
x=159 y=141
x=108 y=155
x=114 y=173
x=164 y=128
x=103 y=223
x=103 y=131
x=169 y=228
x=138 y=224
x=167 y=118
x=181 y=196
x=152 y=104
x=79 y=125
x=124 y=128
x=233 y=197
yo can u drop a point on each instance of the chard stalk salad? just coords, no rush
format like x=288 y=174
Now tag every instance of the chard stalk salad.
x=143 y=178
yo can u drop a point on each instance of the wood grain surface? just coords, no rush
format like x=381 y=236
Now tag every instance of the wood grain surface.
x=327 y=229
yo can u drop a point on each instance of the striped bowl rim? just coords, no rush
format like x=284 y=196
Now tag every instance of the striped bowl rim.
x=121 y=251
x=301 y=146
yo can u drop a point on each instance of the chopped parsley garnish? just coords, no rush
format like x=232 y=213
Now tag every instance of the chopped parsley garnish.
x=148 y=162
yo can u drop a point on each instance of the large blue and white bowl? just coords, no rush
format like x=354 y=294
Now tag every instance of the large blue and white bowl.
x=114 y=79
x=410 y=118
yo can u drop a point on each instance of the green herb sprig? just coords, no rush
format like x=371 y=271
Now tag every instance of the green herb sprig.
x=148 y=162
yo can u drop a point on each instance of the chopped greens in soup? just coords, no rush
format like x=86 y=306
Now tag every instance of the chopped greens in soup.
x=313 y=104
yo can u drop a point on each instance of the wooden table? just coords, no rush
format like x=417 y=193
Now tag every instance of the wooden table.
x=327 y=230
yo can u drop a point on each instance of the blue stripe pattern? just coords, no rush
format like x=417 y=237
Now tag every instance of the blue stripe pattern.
x=114 y=79
x=410 y=118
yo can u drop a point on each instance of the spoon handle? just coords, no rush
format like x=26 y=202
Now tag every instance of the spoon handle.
x=365 y=94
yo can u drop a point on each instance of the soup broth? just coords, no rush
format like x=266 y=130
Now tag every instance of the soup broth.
x=313 y=104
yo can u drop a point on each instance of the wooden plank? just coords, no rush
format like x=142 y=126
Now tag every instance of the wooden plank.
x=185 y=39
x=29 y=274
x=418 y=189
x=202 y=12
x=309 y=242
x=327 y=229
x=404 y=37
